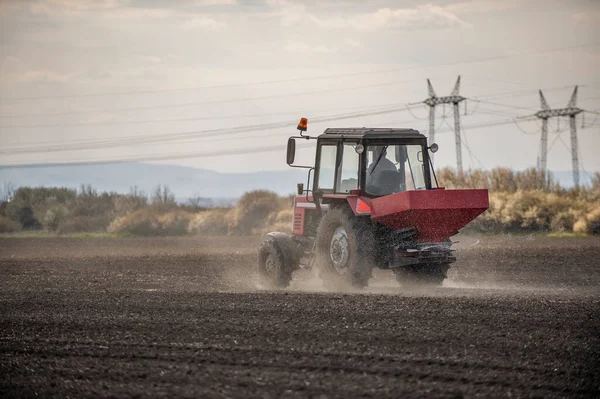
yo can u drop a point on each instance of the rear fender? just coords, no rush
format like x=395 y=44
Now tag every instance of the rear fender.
x=361 y=206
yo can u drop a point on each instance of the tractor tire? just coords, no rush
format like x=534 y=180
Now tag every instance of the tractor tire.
x=429 y=275
x=344 y=249
x=274 y=268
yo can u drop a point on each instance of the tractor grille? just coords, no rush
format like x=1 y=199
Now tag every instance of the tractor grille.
x=297 y=222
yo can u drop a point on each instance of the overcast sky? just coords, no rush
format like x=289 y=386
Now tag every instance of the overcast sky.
x=128 y=79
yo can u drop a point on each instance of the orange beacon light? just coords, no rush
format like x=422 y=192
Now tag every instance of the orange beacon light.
x=303 y=125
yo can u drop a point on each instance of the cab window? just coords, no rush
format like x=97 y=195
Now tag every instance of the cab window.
x=327 y=159
x=394 y=168
x=347 y=176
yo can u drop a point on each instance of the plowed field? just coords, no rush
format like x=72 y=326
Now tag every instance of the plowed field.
x=184 y=317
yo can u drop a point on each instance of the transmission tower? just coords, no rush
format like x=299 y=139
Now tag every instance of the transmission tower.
x=454 y=98
x=545 y=114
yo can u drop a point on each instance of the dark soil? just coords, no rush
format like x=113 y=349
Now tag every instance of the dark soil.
x=183 y=317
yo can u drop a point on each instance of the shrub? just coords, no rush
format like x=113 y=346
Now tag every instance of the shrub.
x=84 y=224
x=26 y=218
x=280 y=221
x=55 y=216
x=212 y=222
x=124 y=204
x=162 y=195
x=498 y=179
x=563 y=222
x=153 y=221
x=253 y=210
x=8 y=225
x=593 y=221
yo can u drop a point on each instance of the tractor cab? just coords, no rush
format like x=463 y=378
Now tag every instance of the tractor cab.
x=371 y=162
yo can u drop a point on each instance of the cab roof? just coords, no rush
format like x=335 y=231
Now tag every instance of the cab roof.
x=371 y=133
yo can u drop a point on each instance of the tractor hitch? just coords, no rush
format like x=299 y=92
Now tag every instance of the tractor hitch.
x=423 y=254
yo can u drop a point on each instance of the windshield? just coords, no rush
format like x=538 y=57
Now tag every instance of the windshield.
x=394 y=168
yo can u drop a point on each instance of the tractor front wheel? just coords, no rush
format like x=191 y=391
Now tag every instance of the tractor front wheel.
x=429 y=275
x=344 y=249
x=274 y=268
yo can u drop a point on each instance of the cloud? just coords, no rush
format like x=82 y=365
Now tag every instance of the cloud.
x=94 y=75
x=586 y=16
x=482 y=6
x=145 y=74
x=72 y=7
x=425 y=16
x=276 y=3
x=301 y=47
x=11 y=64
x=150 y=59
x=34 y=76
x=7 y=8
x=134 y=13
x=205 y=3
x=203 y=22
x=353 y=43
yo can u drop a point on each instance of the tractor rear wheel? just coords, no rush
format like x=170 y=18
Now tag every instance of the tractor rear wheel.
x=429 y=275
x=274 y=270
x=344 y=249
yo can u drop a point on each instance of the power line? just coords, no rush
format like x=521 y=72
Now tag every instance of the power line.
x=163 y=157
x=522 y=130
x=166 y=157
x=493 y=112
x=160 y=138
x=135 y=122
x=413 y=115
x=470 y=61
x=520 y=93
x=501 y=104
x=471 y=154
x=195 y=103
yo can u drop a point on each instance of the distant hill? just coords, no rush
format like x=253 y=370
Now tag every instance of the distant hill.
x=183 y=181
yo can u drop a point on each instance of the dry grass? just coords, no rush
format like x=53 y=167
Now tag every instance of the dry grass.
x=529 y=201
x=153 y=221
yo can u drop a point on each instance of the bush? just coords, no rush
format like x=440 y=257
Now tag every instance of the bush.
x=153 y=221
x=499 y=179
x=124 y=204
x=593 y=221
x=212 y=222
x=8 y=225
x=253 y=210
x=280 y=221
x=533 y=210
x=563 y=222
x=55 y=216
x=84 y=224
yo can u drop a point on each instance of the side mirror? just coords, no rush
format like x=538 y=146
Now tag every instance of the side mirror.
x=434 y=148
x=291 y=151
x=300 y=188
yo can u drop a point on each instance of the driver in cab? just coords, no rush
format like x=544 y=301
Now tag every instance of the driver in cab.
x=380 y=163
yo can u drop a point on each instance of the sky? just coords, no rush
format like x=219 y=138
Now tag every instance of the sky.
x=214 y=83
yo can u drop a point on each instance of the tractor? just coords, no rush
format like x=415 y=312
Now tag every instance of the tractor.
x=374 y=203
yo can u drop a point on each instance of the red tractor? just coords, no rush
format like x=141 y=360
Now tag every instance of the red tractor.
x=374 y=202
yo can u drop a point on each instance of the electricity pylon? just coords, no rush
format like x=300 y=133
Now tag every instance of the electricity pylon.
x=454 y=98
x=571 y=111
